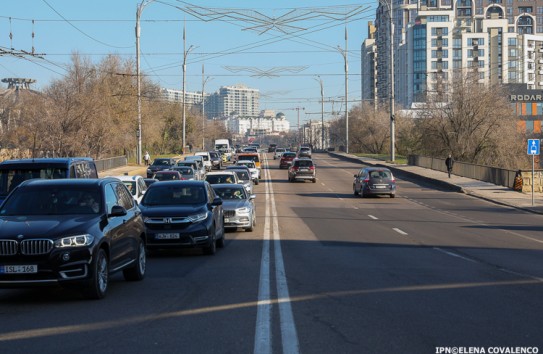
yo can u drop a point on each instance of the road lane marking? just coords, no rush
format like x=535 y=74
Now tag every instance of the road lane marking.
x=263 y=334
x=399 y=231
x=264 y=307
x=455 y=255
x=373 y=217
x=289 y=336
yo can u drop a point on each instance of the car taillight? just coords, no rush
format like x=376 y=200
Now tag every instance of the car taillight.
x=366 y=180
x=312 y=168
x=294 y=168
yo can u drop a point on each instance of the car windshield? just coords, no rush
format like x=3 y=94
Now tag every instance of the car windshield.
x=230 y=193
x=187 y=171
x=45 y=200
x=216 y=179
x=289 y=154
x=161 y=162
x=243 y=175
x=246 y=163
x=174 y=195
x=167 y=176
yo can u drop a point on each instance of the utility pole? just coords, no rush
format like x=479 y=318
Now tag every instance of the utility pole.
x=185 y=54
x=138 y=132
x=344 y=53
x=299 y=132
x=204 y=81
x=322 y=111
x=388 y=4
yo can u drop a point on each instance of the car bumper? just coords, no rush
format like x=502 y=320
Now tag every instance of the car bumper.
x=303 y=177
x=378 y=191
x=60 y=266
x=197 y=235
x=237 y=221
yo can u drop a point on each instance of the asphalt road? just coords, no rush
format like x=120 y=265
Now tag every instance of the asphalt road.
x=324 y=272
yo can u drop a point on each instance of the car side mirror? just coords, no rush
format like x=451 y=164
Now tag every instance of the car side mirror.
x=217 y=201
x=118 y=210
x=252 y=196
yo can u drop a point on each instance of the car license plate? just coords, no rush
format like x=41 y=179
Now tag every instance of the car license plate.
x=380 y=186
x=304 y=169
x=167 y=236
x=19 y=269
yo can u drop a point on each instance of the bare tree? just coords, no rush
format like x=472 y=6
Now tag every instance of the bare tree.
x=476 y=125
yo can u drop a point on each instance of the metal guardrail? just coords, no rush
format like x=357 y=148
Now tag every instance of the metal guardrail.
x=494 y=175
x=112 y=162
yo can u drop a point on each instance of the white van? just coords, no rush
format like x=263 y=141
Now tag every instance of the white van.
x=223 y=146
x=207 y=159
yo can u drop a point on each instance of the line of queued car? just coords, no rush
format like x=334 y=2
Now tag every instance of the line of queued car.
x=59 y=230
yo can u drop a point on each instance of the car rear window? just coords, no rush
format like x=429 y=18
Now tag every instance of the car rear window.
x=304 y=163
x=380 y=174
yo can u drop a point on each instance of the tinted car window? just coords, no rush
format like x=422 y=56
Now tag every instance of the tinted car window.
x=125 y=199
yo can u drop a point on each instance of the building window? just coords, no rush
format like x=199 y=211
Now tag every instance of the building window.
x=513 y=64
x=525 y=9
x=512 y=41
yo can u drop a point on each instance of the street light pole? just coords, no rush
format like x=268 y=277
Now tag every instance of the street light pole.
x=138 y=75
x=203 y=107
x=185 y=54
x=344 y=53
x=388 y=4
x=322 y=111
x=299 y=131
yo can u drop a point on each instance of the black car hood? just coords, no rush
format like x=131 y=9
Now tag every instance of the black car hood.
x=44 y=226
x=173 y=210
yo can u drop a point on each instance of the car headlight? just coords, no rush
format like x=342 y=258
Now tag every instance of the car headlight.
x=243 y=210
x=198 y=217
x=75 y=241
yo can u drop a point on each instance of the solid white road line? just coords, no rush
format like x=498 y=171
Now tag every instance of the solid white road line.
x=289 y=335
x=399 y=231
x=263 y=343
x=263 y=333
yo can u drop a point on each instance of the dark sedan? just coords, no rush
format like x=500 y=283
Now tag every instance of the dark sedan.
x=374 y=181
x=72 y=233
x=159 y=165
x=181 y=214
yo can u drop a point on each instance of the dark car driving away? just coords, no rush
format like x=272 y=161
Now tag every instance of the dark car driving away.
x=374 y=181
x=286 y=159
x=181 y=214
x=70 y=232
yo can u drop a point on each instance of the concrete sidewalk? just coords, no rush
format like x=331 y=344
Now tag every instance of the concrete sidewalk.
x=484 y=190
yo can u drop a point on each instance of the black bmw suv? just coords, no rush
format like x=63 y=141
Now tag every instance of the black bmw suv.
x=70 y=232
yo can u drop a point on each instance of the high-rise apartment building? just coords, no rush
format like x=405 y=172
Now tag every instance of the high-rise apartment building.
x=236 y=100
x=497 y=42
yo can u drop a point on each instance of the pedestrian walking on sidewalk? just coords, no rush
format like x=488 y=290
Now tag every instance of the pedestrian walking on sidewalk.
x=449 y=162
x=147 y=158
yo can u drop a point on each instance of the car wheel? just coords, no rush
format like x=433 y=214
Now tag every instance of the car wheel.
x=392 y=195
x=96 y=287
x=256 y=182
x=354 y=191
x=253 y=224
x=220 y=242
x=314 y=180
x=137 y=271
x=211 y=249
